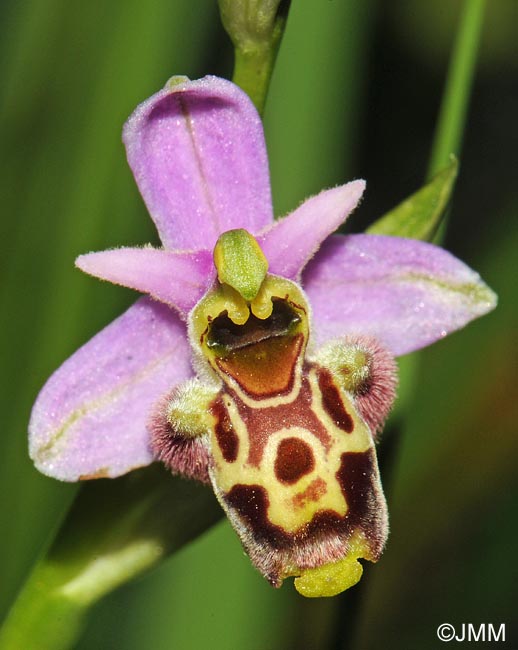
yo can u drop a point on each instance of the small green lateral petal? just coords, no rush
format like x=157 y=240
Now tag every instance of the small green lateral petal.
x=419 y=216
x=240 y=262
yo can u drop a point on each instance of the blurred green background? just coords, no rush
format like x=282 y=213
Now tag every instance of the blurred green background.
x=355 y=93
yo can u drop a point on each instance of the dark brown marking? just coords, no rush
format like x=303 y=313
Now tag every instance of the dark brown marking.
x=251 y=502
x=355 y=476
x=225 y=435
x=332 y=402
x=294 y=460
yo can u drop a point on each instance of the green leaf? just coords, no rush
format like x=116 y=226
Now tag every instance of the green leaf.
x=116 y=530
x=419 y=216
x=459 y=81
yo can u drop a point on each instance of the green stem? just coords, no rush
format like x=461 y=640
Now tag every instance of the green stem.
x=455 y=100
x=144 y=517
x=253 y=70
x=255 y=28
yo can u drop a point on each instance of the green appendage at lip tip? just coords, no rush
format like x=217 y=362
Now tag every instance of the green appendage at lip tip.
x=240 y=262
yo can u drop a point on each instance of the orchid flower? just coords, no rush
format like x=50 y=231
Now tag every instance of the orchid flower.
x=261 y=360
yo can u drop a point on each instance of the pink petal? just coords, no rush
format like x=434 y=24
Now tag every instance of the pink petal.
x=90 y=418
x=291 y=242
x=198 y=155
x=404 y=292
x=178 y=279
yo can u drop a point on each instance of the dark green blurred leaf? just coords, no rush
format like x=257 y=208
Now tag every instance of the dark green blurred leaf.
x=455 y=478
x=72 y=74
x=316 y=98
